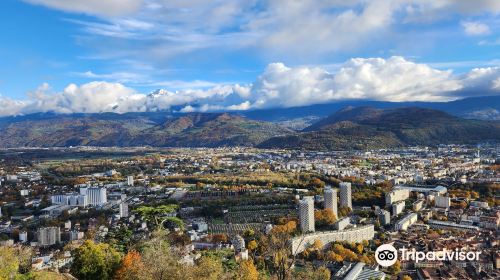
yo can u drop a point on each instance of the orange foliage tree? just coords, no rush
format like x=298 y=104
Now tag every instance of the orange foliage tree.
x=130 y=267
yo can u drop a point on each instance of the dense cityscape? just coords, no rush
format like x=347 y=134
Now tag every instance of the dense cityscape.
x=106 y=213
x=249 y=140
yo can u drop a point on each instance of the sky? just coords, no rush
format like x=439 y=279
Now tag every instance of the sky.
x=69 y=56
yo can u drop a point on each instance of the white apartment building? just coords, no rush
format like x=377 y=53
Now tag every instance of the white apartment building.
x=70 y=199
x=345 y=195
x=96 y=196
x=396 y=195
x=384 y=217
x=76 y=235
x=123 y=210
x=48 y=236
x=407 y=221
x=330 y=196
x=23 y=236
x=355 y=234
x=442 y=201
x=306 y=214
x=418 y=205
x=397 y=208
x=130 y=181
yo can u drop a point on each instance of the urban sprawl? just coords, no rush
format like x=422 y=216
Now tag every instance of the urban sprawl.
x=245 y=213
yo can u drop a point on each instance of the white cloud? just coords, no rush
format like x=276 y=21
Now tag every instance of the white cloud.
x=308 y=29
x=108 y=8
x=475 y=28
x=9 y=107
x=485 y=80
x=321 y=26
x=92 y=97
x=432 y=10
x=392 y=79
x=120 y=77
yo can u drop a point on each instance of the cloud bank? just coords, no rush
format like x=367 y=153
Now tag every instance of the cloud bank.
x=393 y=79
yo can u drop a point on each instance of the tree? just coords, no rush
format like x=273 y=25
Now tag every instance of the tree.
x=309 y=272
x=95 y=261
x=219 y=238
x=359 y=248
x=334 y=257
x=289 y=227
x=173 y=222
x=317 y=245
x=130 y=267
x=247 y=271
x=9 y=264
x=317 y=183
x=276 y=248
x=344 y=211
x=324 y=217
x=160 y=260
x=406 y=277
x=462 y=204
x=208 y=268
x=249 y=233
x=151 y=214
x=252 y=245
x=395 y=268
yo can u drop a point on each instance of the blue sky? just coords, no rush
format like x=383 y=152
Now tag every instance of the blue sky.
x=213 y=55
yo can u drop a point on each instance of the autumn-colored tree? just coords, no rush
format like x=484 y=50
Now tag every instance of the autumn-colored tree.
x=249 y=233
x=314 y=251
x=219 y=238
x=462 y=204
x=395 y=268
x=208 y=268
x=247 y=271
x=9 y=264
x=130 y=267
x=160 y=261
x=95 y=261
x=324 y=217
x=344 y=211
x=346 y=254
x=252 y=245
x=334 y=257
x=406 y=277
x=288 y=228
x=275 y=247
x=366 y=259
x=317 y=183
x=359 y=248
x=317 y=245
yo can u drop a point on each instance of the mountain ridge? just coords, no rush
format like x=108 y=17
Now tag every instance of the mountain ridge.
x=368 y=127
x=350 y=127
x=195 y=129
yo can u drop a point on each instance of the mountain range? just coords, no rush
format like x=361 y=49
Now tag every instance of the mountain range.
x=369 y=127
x=357 y=125
x=483 y=108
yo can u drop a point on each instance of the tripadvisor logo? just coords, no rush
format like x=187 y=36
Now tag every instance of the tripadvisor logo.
x=386 y=255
